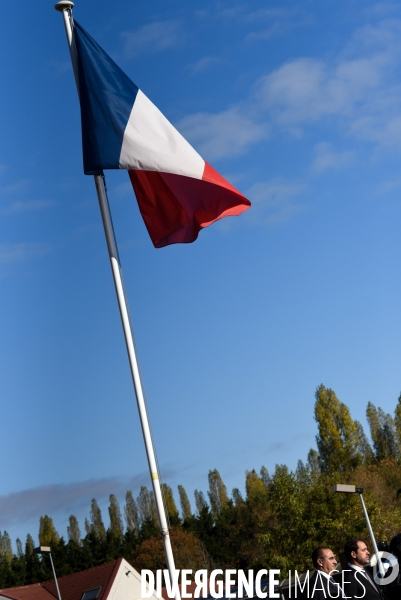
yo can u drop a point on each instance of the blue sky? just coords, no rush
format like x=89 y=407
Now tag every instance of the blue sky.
x=299 y=106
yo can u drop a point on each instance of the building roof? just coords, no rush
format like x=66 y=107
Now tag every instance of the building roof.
x=72 y=587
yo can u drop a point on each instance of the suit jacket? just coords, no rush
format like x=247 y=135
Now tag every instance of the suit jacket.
x=356 y=585
x=321 y=588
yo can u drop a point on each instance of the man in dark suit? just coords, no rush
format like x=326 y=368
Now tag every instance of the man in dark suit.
x=321 y=584
x=357 y=582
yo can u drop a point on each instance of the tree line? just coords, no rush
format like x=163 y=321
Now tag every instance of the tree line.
x=277 y=522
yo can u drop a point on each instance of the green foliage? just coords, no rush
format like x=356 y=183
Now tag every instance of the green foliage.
x=200 y=501
x=131 y=513
x=146 y=505
x=169 y=505
x=217 y=492
x=48 y=535
x=74 y=533
x=116 y=523
x=337 y=439
x=96 y=526
x=383 y=431
x=186 y=511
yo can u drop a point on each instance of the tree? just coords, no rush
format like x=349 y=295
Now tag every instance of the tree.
x=96 y=526
x=337 y=438
x=397 y=418
x=264 y=475
x=237 y=497
x=29 y=545
x=73 y=530
x=20 y=552
x=364 y=446
x=186 y=511
x=116 y=523
x=48 y=535
x=146 y=505
x=217 y=492
x=169 y=504
x=256 y=491
x=131 y=513
x=6 y=550
x=313 y=461
x=383 y=431
x=200 y=501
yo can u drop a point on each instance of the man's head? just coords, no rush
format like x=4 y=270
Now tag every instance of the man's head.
x=323 y=559
x=356 y=552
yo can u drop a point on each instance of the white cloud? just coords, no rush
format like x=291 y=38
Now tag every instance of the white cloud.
x=203 y=64
x=154 y=37
x=326 y=158
x=20 y=206
x=12 y=253
x=274 y=201
x=229 y=133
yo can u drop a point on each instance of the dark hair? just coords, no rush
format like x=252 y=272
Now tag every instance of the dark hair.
x=351 y=545
x=395 y=545
x=317 y=553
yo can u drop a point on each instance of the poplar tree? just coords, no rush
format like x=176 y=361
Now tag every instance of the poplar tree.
x=131 y=513
x=20 y=552
x=48 y=535
x=217 y=492
x=169 y=504
x=364 y=446
x=256 y=492
x=6 y=550
x=200 y=501
x=397 y=418
x=237 y=497
x=264 y=475
x=116 y=524
x=96 y=525
x=186 y=511
x=337 y=438
x=74 y=533
x=383 y=431
x=146 y=505
x=29 y=545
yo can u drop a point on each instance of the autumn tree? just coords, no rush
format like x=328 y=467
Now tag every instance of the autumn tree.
x=96 y=525
x=200 y=501
x=48 y=535
x=116 y=523
x=6 y=550
x=186 y=511
x=169 y=504
x=383 y=431
x=217 y=492
x=73 y=531
x=146 y=505
x=131 y=513
x=337 y=438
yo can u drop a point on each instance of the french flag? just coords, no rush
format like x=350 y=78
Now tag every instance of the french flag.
x=177 y=191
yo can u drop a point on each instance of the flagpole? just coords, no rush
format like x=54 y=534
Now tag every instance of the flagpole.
x=65 y=7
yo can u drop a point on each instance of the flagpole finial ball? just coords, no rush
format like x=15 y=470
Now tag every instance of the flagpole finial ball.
x=64 y=5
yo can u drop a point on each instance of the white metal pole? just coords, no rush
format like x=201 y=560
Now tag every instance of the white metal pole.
x=372 y=538
x=65 y=6
x=55 y=576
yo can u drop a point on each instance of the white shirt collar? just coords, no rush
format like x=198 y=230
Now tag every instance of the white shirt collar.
x=356 y=567
x=323 y=573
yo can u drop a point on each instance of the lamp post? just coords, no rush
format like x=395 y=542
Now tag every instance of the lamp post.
x=47 y=550
x=352 y=489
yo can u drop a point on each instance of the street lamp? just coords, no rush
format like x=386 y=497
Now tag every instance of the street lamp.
x=352 y=489
x=47 y=550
